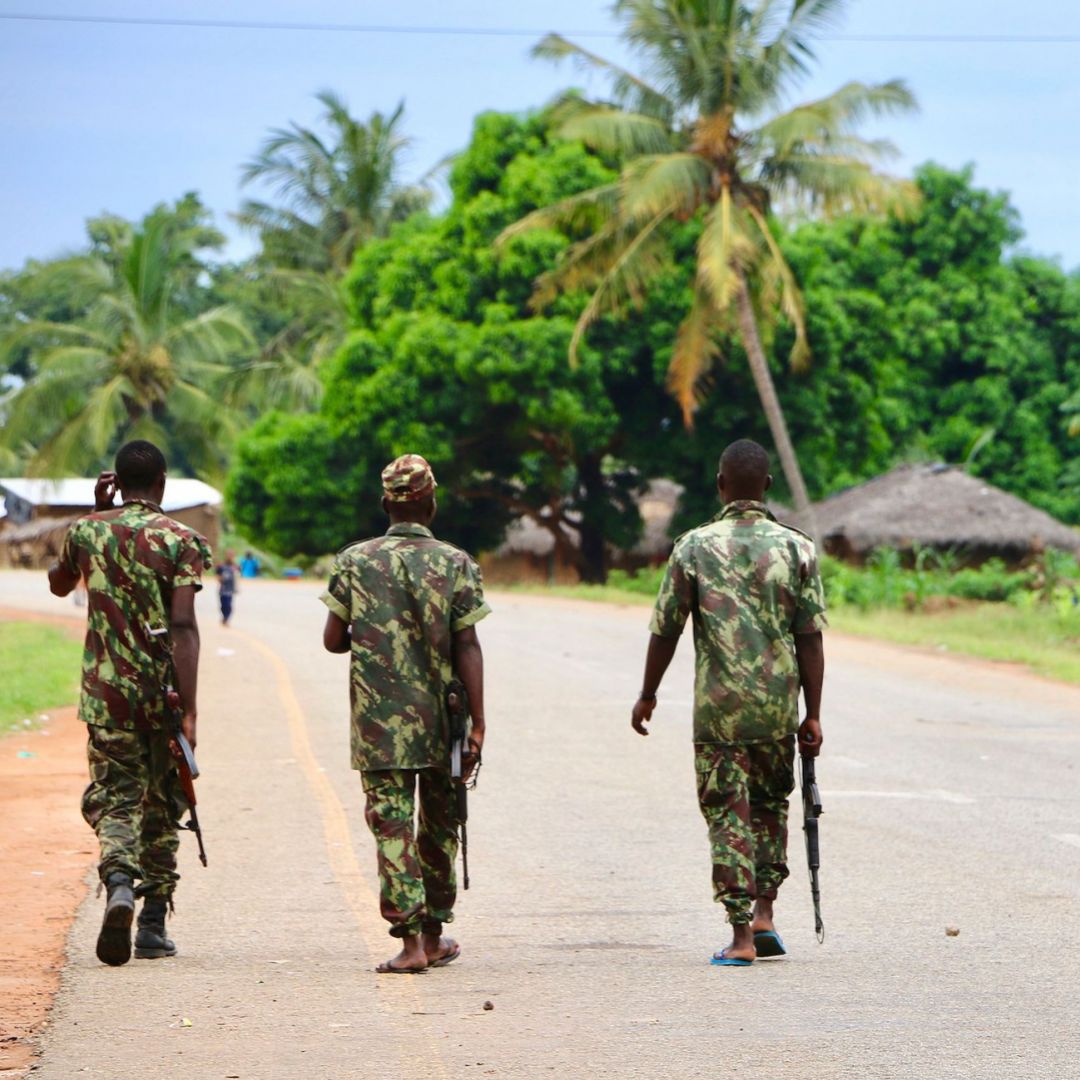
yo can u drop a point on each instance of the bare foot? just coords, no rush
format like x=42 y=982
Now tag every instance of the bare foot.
x=763 y=916
x=411 y=959
x=742 y=944
x=440 y=951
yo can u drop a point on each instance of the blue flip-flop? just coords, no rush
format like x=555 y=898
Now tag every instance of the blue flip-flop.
x=769 y=945
x=720 y=960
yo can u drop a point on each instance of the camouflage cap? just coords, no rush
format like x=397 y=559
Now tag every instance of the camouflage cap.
x=408 y=479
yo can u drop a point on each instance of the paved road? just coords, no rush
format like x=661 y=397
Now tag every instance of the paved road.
x=951 y=798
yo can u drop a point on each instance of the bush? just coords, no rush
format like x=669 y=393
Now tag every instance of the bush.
x=886 y=582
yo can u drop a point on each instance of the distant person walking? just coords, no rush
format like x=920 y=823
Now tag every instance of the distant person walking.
x=142 y=571
x=249 y=566
x=754 y=593
x=406 y=605
x=227 y=574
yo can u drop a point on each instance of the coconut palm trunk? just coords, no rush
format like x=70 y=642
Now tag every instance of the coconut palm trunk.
x=770 y=403
x=707 y=135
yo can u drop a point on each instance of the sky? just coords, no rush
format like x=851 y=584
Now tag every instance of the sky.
x=103 y=117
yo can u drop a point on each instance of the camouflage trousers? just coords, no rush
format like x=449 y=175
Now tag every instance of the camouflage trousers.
x=131 y=804
x=416 y=852
x=743 y=792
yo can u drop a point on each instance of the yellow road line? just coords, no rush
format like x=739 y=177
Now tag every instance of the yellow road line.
x=427 y=1060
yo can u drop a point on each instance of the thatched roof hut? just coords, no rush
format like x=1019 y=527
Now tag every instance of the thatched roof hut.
x=935 y=506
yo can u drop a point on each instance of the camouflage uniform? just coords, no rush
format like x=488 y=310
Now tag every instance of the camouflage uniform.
x=132 y=560
x=751 y=584
x=405 y=595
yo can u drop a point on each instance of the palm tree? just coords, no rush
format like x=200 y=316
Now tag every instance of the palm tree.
x=705 y=135
x=336 y=194
x=135 y=364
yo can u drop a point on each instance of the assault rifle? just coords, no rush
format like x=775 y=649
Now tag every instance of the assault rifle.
x=185 y=766
x=457 y=708
x=811 y=800
x=179 y=746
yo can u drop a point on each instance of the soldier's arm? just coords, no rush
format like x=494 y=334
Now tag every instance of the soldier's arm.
x=657 y=660
x=62 y=580
x=185 y=635
x=468 y=659
x=64 y=573
x=335 y=635
x=810 y=654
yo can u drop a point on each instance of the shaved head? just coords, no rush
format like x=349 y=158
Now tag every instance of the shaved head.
x=744 y=471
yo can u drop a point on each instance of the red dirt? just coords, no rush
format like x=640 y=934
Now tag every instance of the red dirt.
x=45 y=850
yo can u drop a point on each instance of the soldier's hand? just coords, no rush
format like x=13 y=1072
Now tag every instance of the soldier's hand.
x=105 y=491
x=642 y=714
x=810 y=737
x=188 y=726
x=471 y=758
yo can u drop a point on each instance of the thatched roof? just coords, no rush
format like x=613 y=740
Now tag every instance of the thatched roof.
x=935 y=506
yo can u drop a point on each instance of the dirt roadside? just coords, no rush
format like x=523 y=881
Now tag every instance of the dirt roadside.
x=45 y=850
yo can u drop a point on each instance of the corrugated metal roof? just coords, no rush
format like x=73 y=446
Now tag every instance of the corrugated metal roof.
x=180 y=492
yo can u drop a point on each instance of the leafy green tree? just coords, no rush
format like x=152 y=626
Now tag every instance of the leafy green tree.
x=931 y=343
x=448 y=361
x=135 y=355
x=695 y=145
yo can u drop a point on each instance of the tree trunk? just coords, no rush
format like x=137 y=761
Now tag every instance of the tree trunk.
x=774 y=414
x=592 y=554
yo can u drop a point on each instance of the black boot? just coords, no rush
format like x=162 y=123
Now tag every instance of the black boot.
x=114 y=941
x=151 y=942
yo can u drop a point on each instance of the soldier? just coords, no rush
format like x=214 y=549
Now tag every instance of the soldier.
x=753 y=588
x=142 y=570
x=407 y=606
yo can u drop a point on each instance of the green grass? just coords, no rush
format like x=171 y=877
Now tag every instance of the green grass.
x=1046 y=641
x=39 y=670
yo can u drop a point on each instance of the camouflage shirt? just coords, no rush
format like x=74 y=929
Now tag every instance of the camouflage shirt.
x=751 y=585
x=404 y=595
x=131 y=559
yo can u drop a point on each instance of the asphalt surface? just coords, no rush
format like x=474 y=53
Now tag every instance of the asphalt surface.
x=951 y=795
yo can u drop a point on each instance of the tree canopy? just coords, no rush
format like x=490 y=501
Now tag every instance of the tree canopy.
x=448 y=359
x=136 y=353
x=706 y=134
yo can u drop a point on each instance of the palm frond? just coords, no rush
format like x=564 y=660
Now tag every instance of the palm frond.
x=678 y=183
x=582 y=266
x=628 y=88
x=696 y=349
x=64 y=380
x=627 y=280
x=572 y=213
x=609 y=129
x=41 y=336
x=820 y=124
x=723 y=248
x=834 y=185
x=214 y=336
x=790 y=52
